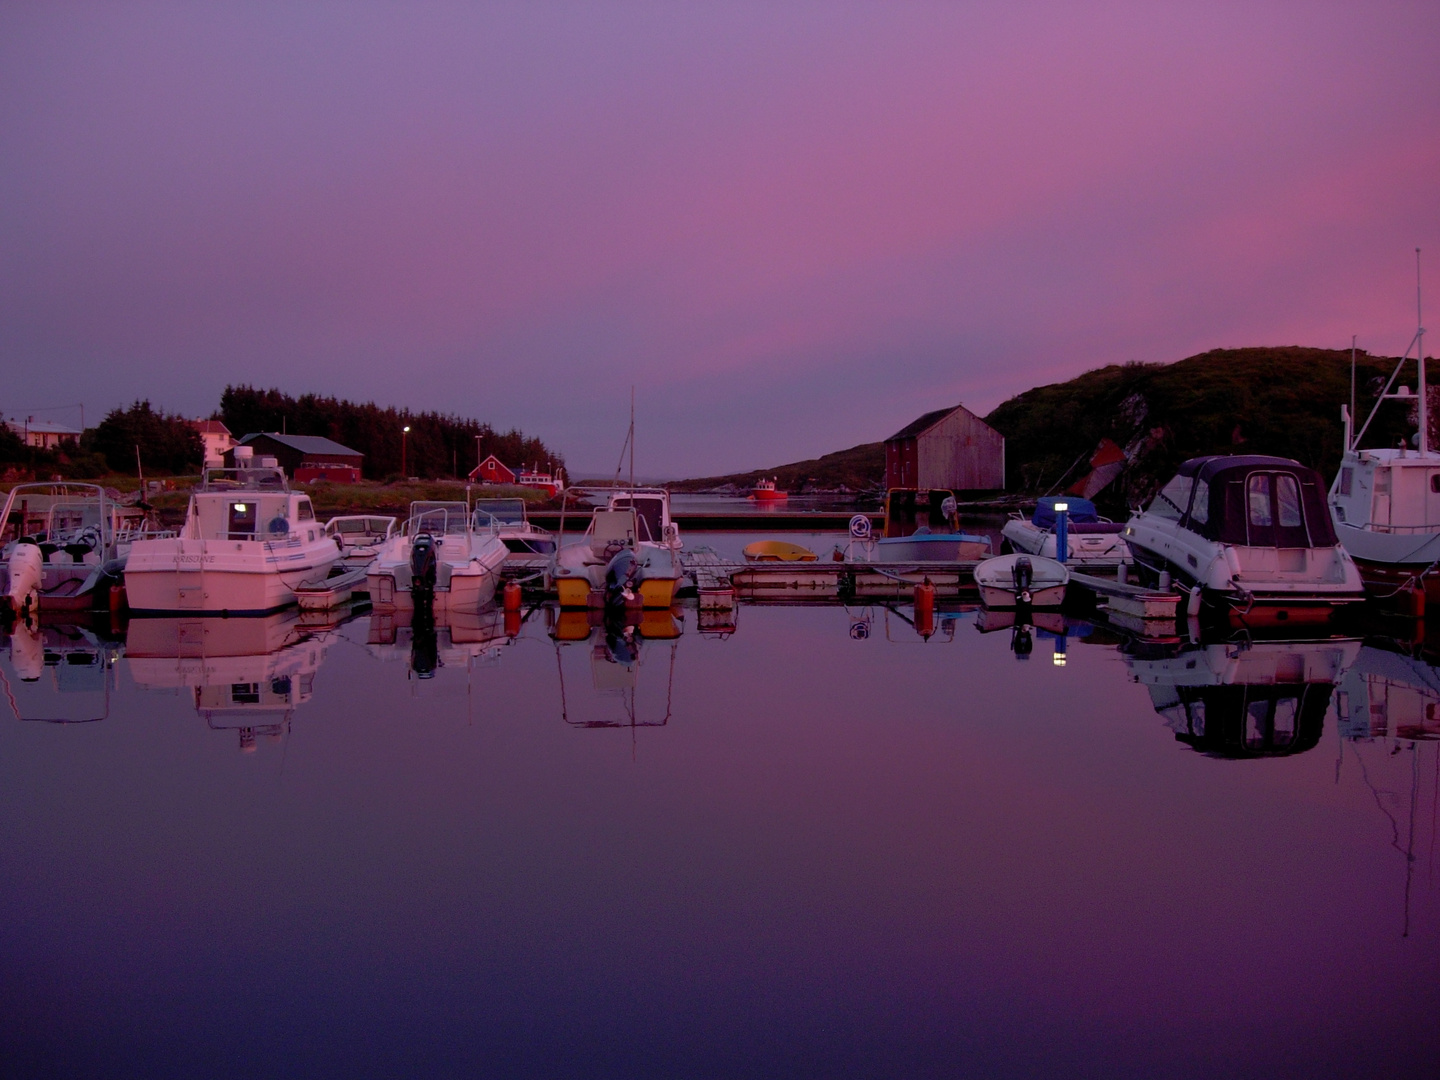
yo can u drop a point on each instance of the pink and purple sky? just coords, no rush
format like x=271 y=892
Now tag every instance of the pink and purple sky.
x=793 y=226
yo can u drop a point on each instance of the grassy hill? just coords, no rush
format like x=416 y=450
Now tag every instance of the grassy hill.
x=1283 y=401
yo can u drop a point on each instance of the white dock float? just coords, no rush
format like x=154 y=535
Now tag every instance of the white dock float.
x=1147 y=612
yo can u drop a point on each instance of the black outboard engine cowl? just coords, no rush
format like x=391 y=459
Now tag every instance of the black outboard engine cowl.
x=424 y=562
x=622 y=578
x=1023 y=575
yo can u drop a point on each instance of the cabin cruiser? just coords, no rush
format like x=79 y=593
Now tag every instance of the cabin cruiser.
x=630 y=553
x=1247 y=531
x=248 y=542
x=1385 y=502
x=507 y=518
x=63 y=541
x=439 y=557
x=1243 y=699
x=1090 y=540
x=360 y=536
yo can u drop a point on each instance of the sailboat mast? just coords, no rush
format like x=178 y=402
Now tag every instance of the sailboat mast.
x=1420 y=360
x=632 y=434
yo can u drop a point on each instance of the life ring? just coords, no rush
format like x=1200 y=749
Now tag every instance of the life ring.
x=278 y=526
x=860 y=527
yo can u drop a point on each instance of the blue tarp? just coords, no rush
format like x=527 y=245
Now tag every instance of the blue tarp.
x=1081 y=512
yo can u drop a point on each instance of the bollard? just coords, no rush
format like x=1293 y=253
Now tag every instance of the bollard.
x=511 y=596
x=1062 y=531
x=925 y=609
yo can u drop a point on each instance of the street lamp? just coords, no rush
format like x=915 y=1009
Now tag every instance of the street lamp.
x=404 y=434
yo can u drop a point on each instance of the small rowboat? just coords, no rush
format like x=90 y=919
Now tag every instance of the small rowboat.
x=777 y=551
x=1008 y=581
x=332 y=592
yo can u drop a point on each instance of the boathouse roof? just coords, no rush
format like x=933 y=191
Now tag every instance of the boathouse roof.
x=929 y=420
x=304 y=444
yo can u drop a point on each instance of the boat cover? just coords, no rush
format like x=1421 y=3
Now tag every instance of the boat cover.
x=1081 y=512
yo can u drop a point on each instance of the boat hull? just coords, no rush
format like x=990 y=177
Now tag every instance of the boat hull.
x=221 y=578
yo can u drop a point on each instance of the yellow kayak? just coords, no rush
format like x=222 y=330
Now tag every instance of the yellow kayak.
x=777 y=551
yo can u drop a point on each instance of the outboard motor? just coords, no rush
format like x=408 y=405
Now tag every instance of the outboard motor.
x=424 y=564
x=424 y=644
x=1023 y=576
x=26 y=565
x=622 y=578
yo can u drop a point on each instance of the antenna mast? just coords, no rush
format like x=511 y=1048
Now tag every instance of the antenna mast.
x=632 y=423
x=1420 y=360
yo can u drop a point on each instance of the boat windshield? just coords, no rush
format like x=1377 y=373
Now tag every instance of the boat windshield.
x=438 y=518
x=650 y=510
x=490 y=512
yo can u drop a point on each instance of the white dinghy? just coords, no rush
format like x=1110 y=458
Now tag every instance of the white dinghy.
x=1008 y=581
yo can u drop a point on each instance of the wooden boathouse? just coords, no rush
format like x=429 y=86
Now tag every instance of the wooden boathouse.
x=948 y=449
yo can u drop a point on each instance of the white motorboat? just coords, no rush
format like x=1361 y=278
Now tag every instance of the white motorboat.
x=1090 y=541
x=528 y=544
x=439 y=557
x=1385 y=501
x=1008 y=581
x=1248 y=531
x=77 y=537
x=360 y=536
x=248 y=542
x=630 y=552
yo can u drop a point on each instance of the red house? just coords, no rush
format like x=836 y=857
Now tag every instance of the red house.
x=491 y=471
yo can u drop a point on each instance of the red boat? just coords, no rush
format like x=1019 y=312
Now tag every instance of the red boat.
x=765 y=492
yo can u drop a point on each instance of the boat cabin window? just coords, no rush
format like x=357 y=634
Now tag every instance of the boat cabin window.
x=1347 y=480
x=1174 y=497
x=1200 y=504
x=1257 y=498
x=304 y=511
x=1287 y=499
x=242 y=520
x=1435 y=482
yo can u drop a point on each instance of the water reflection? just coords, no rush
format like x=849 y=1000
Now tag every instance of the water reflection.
x=59 y=674
x=246 y=675
x=839 y=840
x=617 y=645
x=1245 y=698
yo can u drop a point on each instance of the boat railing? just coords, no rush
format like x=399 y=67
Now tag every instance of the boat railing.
x=1403 y=530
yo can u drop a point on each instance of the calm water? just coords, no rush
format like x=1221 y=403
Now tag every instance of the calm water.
x=803 y=843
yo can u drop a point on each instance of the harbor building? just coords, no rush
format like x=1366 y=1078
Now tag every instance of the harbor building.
x=43 y=434
x=305 y=457
x=948 y=449
x=216 y=438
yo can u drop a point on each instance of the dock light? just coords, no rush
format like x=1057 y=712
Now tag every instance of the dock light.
x=1062 y=534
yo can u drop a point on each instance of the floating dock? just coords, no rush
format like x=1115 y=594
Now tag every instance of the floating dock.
x=1150 y=613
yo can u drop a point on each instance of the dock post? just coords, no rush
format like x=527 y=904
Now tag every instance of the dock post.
x=1062 y=531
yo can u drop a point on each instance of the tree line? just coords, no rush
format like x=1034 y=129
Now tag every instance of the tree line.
x=437 y=445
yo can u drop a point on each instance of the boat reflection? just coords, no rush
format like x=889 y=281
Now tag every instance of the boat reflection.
x=428 y=641
x=1389 y=716
x=618 y=648
x=247 y=675
x=58 y=674
x=1248 y=698
x=1025 y=624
